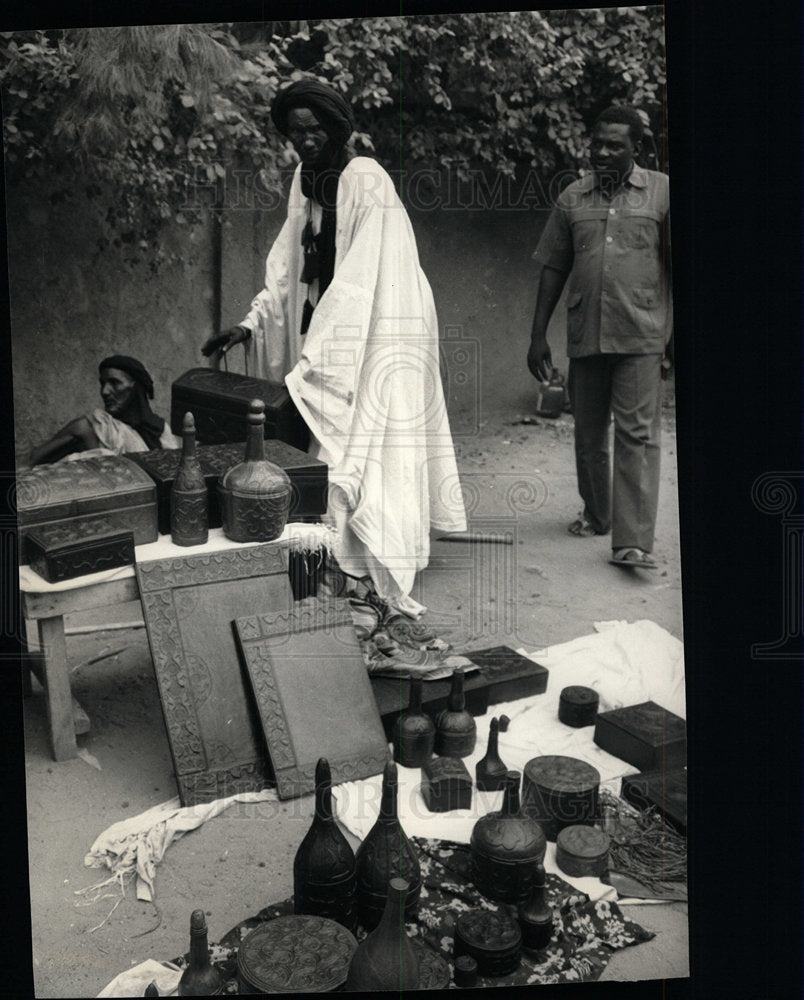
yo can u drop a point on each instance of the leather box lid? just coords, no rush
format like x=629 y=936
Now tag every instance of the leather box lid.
x=561 y=775
x=231 y=390
x=48 y=539
x=446 y=769
x=87 y=486
x=648 y=722
x=487 y=934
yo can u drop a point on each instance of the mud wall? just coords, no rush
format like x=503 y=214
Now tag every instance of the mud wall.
x=72 y=305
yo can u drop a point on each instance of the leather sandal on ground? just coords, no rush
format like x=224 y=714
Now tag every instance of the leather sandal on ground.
x=632 y=557
x=582 y=528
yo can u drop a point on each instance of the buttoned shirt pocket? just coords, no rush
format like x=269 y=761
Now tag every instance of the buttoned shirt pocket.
x=575 y=317
x=588 y=227
x=640 y=231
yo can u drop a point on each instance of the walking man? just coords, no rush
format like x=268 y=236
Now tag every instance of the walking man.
x=609 y=234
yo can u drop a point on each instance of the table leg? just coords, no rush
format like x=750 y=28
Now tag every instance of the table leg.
x=57 y=687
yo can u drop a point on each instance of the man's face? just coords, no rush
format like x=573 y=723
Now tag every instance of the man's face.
x=116 y=389
x=306 y=134
x=613 y=149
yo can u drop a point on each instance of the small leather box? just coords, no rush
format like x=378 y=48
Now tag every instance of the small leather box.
x=492 y=939
x=58 y=552
x=101 y=494
x=446 y=784
x=645 y=735
x=582 y=851
x=577 y=706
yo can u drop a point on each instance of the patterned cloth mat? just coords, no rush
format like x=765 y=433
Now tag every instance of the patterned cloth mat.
x=585 y=933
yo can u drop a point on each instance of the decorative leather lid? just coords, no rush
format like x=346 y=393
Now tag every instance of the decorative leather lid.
x=446 y=769
x=296 y=954
x=585 y=842
x=488 y=931
x=562 y=774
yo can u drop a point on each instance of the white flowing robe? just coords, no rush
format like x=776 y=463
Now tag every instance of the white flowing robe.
x=366 y=379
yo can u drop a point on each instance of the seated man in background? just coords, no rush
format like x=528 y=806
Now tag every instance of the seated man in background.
x=126 y=423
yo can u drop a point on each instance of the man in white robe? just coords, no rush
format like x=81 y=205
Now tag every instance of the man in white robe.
x=347 y=320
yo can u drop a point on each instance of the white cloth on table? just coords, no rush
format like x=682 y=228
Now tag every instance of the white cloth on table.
x=309 y=536
x=625 y=663
x=366 y=380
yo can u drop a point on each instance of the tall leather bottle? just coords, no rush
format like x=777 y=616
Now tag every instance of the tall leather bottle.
x=490 y=771
x=413 y=734
x=200 y=978
x=255 y=495
x=456 y=730
x=535 y=915
x=386 y=959
x=386 y=853
x=505 y=846
x=189 y=502
x=324 y=882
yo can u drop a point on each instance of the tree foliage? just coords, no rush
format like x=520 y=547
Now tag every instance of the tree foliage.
x=151 y=113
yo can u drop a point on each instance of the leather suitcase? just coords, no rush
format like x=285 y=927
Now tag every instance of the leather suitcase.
x=308 y=477
x=106 y=493
x=219 y=403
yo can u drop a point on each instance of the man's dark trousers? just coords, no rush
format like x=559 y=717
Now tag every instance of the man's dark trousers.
x=629 y=386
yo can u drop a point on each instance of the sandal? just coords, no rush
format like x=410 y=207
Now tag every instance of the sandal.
x=582 y=528
x=632 y=557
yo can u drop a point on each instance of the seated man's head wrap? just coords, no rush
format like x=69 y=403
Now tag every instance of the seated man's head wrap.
x=331 y=110
x=133 y=368
x=139 y=414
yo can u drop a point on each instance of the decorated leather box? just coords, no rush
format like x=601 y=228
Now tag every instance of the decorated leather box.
x=510 y=675
x=219 y=402
x=645 y=735
x=308 y=477
x=446 y=784
x=666 y=790
x=62 y=552
x=106 y=493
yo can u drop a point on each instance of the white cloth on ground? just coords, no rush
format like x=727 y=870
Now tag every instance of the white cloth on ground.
x=135 y=846
x=625 y=663
x=366 y=380
x=133 y=982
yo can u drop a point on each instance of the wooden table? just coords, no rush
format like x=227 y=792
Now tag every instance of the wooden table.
x=48 y=609
x=47 y=606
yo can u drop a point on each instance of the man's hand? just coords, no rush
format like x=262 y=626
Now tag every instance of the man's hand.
x=223 y=342
x=540 y=360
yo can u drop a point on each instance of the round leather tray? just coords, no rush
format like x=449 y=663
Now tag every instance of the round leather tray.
x=295 y=954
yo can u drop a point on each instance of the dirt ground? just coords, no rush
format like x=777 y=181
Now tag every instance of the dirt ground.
x=546 y=588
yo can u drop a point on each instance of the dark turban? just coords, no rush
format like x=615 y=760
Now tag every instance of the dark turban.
x=331 y=110
x=133 y=368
